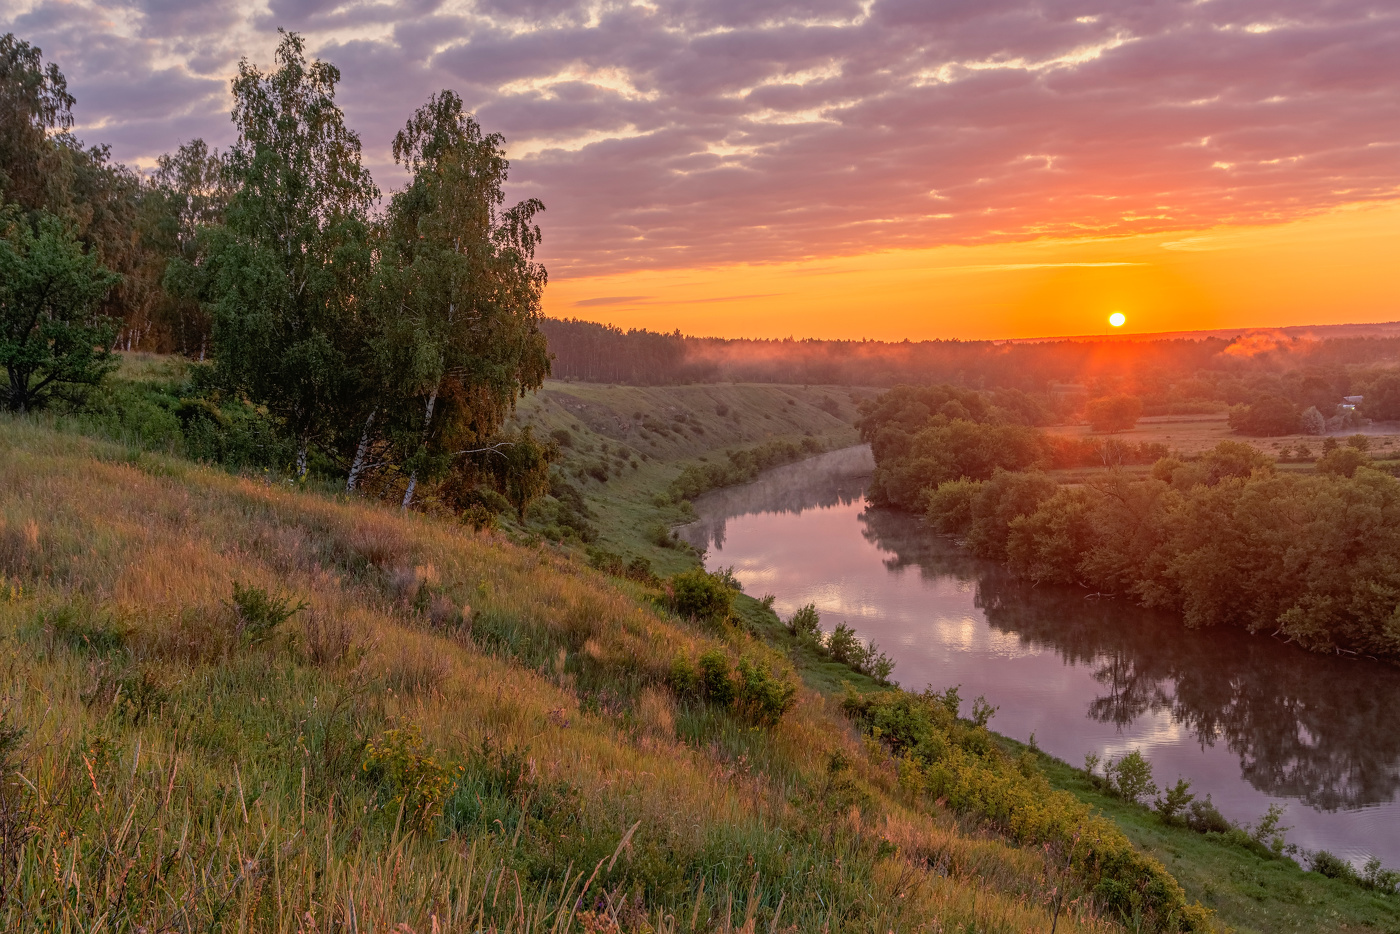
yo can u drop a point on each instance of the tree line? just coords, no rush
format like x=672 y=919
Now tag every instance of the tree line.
x=1222 y=539
x=386 y=343
x=1269 y=387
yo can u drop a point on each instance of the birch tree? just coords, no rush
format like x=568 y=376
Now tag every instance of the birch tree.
x=284 y=272
x=458 y=300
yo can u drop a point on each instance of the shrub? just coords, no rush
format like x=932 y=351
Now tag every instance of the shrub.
x=606 y=561
x=716 y=687
x=639 y=569
x=1171 y=807
x=257 y=614
x=1380 y=879
x=1333 y=867
x=762 y=695
x=1269 y=832
x=958 y=762
x=1205 y=817
x=1131 y=777
x=843 y=645
x=701 y=596
x=806 y=624
x=753 y=690
x=412 y=782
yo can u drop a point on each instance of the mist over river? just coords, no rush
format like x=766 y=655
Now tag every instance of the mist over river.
x=1248 y=720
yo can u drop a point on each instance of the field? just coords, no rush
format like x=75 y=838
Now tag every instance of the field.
x=1190 y=435
x=1193 y=434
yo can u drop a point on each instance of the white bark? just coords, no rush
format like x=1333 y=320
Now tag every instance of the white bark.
x=303 y=461
x=427 y=422
x=357 y=467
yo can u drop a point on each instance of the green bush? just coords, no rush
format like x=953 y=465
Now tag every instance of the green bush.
x=414 y=784
x=1131 y=777
x=1171 y=807
x=700 y=595
x=762 y=695
x=257 y=613
x=716 y=686
x=1333 y=867
x=752 y=690
x=1379 y=879
x=1205 y=817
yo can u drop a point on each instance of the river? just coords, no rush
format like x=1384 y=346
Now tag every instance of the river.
x=1248 y=720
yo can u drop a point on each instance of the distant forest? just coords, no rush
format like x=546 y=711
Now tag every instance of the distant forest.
x=1170 y=376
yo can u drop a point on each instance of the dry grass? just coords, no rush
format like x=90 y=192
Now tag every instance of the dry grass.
x=177 y=777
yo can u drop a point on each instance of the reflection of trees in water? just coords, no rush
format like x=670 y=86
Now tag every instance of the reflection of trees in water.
x=1320 y=729
x=835 y=479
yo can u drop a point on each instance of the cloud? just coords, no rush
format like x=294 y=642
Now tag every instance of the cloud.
x=610 y=300
x=675 y=133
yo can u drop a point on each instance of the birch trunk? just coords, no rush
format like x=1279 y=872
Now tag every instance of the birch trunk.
x=361 y=453
x=427 y=422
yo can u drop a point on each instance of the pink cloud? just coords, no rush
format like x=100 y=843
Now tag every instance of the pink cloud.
x=713 y=132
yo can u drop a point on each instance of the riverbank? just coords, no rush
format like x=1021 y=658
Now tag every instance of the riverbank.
x=1252 y=892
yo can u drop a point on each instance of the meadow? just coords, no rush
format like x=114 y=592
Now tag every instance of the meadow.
x=235 y=703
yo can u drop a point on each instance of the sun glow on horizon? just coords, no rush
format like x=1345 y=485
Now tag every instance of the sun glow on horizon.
x=1116 y=319
x=1327 y=269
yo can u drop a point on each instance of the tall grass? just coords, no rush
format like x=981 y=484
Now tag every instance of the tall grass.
x=170 y=767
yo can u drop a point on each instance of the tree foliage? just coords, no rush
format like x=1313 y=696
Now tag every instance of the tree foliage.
x=457 y=298
x=1113 y=413
x=283 y=274
x=922 y=437
x=52 y=332
x=1224 y=540
x=1269 y=416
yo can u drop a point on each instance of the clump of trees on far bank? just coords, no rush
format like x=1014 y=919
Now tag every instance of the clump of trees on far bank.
x=925 y=436
x=386 y=348
x=1223 y=540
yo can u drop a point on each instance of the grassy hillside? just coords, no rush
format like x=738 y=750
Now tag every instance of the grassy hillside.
x=623 y=446
x=449 y=732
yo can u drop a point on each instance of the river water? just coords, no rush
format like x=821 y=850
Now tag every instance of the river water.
x=1247 y=719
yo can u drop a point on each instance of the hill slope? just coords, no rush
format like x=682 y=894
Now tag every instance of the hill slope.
x=231 y=703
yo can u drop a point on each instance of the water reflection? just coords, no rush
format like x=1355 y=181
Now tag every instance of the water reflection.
x=1314 y=728
x=835 y=478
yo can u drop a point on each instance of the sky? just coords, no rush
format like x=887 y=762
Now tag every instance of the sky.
x=884 y=168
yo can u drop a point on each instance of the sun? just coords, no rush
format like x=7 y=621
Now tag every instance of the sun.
x=1116 y=319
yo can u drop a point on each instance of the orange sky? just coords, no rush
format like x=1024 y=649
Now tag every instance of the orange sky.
x=1343 y=266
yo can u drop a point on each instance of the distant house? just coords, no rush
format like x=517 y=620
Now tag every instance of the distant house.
x=1349 y=403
